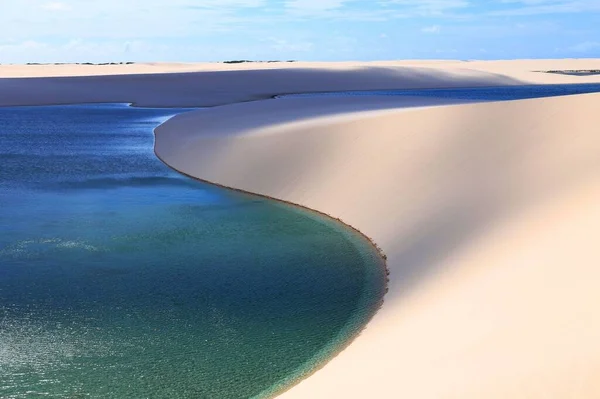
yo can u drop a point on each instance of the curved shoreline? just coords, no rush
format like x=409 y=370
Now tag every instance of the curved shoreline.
x=348 y=338
x=305 y=159
x=365 y=298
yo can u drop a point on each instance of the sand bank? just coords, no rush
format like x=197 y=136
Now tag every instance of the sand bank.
x=213 y=84
x=512 y=67
x=488 y=213
x=215 y=87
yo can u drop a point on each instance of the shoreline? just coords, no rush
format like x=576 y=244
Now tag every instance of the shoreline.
x=250 y=150
x=348 y=339
x=348 y=248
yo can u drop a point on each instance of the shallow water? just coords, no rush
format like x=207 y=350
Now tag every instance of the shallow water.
x=122 y=279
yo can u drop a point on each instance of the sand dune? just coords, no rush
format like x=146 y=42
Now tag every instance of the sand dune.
x=204 y=84
x=518 y=67
x=211 y=88
x=488 y=213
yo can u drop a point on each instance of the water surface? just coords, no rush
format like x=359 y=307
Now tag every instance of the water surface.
x=500 y=93
x=122 y=279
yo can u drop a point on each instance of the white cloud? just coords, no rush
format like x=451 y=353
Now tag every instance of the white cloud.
x=282 y=45
x=428 y=7
x=377 y=10
x=536 y=7
x=446 y=51
x=221 y=29
x=314 y=5
x=586 y=47
x=131 y=19
x=80 y=50
x=15 y=46
x=56 y=6
x=232 y=3
x=225 y=4
x=75 y=50
x=432 y=29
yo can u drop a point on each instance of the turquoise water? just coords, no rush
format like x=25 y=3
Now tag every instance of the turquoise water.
x=122 y=279
x=502 y=93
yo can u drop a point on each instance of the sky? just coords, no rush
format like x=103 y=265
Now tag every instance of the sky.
x=310 y=30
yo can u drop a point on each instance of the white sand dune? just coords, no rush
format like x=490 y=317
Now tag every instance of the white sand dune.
x=489 y=213
x=219 y=87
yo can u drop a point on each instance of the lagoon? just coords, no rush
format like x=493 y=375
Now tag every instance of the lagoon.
x=121 y=278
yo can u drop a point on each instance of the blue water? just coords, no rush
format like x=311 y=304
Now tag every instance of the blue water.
x=122 y=279
x=503 y=93
x=575 y=73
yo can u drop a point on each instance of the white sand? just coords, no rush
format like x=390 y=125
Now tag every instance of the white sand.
x=512 y=67
x=218 y=87
x=489 y=213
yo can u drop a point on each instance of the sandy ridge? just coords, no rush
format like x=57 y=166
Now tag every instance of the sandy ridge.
x=481 y=208
x=436 y=195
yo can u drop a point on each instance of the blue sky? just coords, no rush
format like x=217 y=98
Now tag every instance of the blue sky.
x=216 y=30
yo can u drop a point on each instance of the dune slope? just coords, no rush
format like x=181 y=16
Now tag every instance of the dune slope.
x=219 y=87
x=487 y=213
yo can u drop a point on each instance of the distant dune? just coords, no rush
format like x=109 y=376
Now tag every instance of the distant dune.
x=488 y=213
